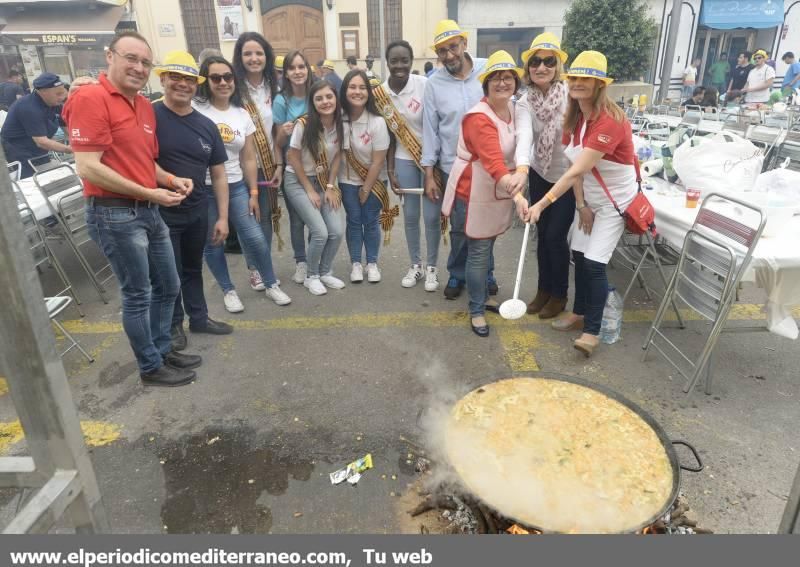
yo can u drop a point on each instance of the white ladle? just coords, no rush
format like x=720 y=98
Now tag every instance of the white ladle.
x=515 y=308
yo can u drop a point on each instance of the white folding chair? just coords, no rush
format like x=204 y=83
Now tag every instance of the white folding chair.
x=15 y=170
x=789 y=149
x=43 y=163
x=715 y=254
x=41 y=252
x=55 y=305
x=766 y=138
x=63 y=192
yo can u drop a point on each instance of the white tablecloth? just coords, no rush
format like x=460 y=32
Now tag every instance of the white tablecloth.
x=35 y=198
x=775 y=266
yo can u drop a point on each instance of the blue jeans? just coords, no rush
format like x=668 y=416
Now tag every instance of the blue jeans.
x=552 y=250
x=591 y=292
x=325 y=225
x=363 y=226
x=296 y=230
x=409 y=175
x=136 y=242
x=459 y=243
x=251 y=237
x=265 y=207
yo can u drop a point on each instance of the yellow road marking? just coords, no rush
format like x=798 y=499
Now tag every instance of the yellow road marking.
x=434 y=319
x=96 y=433
x=519 y=345
x=3 y=386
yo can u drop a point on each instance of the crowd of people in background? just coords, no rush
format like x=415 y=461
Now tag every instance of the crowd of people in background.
x=466 y=145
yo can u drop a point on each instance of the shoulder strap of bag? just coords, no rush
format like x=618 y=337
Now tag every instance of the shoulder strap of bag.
x=602 y=183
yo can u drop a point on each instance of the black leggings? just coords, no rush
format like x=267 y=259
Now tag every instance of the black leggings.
x=552 y=249
x=591 y=292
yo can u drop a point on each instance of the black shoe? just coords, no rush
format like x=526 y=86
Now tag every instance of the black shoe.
x=168 y=376
x=492 y=307
x=178 y=337
x=212 y=328
x=491 y=285
x=453 y=289
x=183 y=361
x=482 y=331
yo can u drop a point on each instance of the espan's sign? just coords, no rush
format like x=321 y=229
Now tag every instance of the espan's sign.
x=61 y=39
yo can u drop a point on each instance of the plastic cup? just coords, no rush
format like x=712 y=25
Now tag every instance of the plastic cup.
x=692 y=197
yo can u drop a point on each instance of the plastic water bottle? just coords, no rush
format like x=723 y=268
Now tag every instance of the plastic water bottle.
x=611 y=327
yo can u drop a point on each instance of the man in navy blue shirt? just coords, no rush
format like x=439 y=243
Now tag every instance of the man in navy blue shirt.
x=11 y=89
x=32 y=121
x=188 y=145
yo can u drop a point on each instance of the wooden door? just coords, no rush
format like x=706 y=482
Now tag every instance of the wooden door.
x=296 y=27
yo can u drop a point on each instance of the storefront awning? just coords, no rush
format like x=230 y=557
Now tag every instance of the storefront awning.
x=727 y=14
x=56 y=26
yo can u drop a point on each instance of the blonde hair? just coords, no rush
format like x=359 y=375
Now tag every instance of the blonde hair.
x=601 y=103
x=559 y=69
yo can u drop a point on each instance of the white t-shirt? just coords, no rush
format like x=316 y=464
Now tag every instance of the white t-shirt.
x=234 y=126
x=689 y=75
x=367 y=134
x=263 y=100
x=408 y=103
x=759 y=75
x=309 y=164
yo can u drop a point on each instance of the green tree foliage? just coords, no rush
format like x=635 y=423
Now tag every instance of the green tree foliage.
x=622 y=30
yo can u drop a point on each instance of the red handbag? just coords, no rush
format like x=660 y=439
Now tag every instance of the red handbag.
x=640 y=216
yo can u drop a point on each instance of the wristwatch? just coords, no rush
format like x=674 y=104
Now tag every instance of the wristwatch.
x=579 y=206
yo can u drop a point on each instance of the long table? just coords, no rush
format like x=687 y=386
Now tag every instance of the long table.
x=704 y=127
x=775 y=265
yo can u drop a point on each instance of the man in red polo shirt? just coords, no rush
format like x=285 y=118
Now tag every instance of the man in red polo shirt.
x=112 y=131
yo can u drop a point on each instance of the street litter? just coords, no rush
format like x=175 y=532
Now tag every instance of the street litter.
x=352 y=472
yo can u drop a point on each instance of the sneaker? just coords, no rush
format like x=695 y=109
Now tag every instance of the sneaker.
x=256 y=283
x=332 y=282
x=357 y=274
x=276 y=295
x=300 y=273
x=373 y=273
x=412 y=277
x=431 y=279
x=231 y=299
x=315 y=286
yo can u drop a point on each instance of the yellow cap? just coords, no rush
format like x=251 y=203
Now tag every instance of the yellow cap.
x=544 y=40
x=374 y=82
x=760 y=52
x=180 y=62
x=590 y=64
x=327 y=64
x=446 y=29
x=500 y=61
x=279 y=62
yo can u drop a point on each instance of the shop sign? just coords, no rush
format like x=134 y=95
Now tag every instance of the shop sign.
x=61 y=39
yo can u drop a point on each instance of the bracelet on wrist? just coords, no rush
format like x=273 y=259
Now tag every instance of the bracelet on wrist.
x=550 y=197
x=254 y=192
x=580 y=206
x=170 y=179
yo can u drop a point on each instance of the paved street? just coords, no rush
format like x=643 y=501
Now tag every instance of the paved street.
x=299 y=391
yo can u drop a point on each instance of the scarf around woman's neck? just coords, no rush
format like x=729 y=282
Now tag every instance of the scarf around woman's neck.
x=548 y=109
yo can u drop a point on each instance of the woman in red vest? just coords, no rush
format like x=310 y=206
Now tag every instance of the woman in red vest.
x=599 y=144
x=483 y=181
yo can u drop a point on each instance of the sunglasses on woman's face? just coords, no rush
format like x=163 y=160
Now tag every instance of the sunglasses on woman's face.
x=549 y=61
x=216 y=79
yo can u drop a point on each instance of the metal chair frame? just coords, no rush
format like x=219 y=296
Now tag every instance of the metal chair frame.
x=55 y=306
x=641 y=252
x=716 y=252
x=15 y=171
x=44 y=163
x=38 y=243
x=68 y=210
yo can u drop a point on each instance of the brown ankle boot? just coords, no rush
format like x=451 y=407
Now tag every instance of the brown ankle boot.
x=538 y=302
x=553 y=307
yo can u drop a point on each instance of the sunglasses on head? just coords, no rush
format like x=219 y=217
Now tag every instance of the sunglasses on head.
x=217 y=79
x=549 y=61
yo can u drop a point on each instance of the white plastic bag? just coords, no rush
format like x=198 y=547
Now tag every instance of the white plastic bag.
x=783 y=182
x=722 y=163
